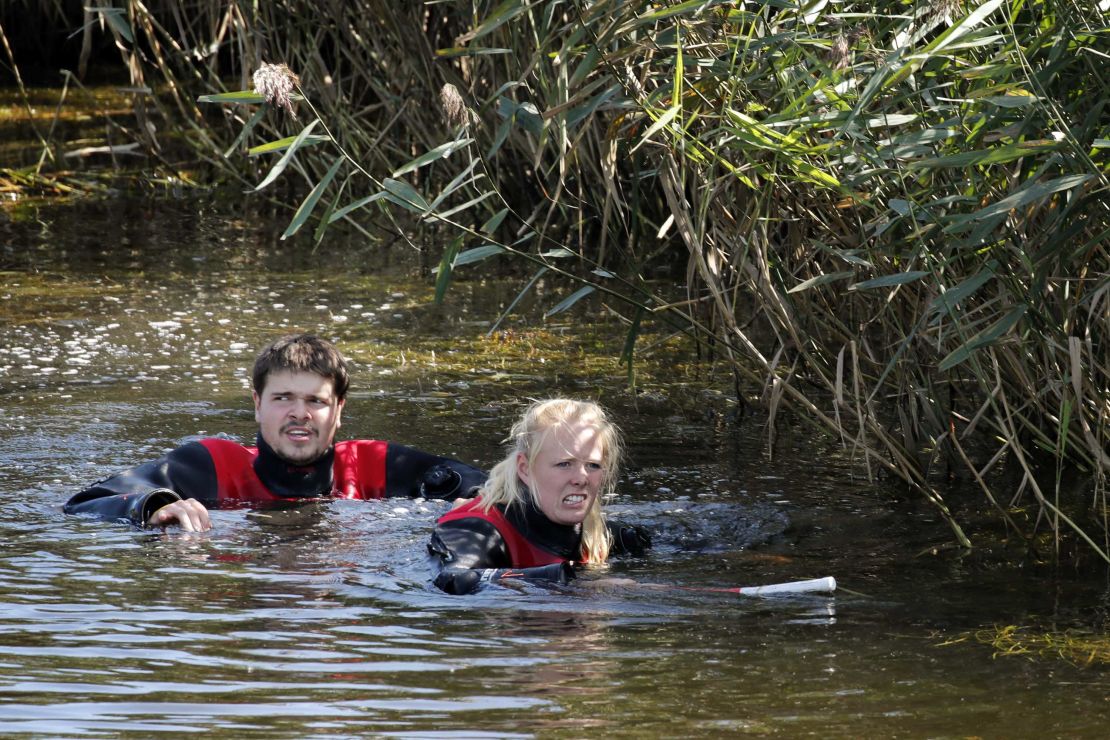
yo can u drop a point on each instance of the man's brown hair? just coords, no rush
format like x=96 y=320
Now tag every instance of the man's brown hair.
x=302 y=353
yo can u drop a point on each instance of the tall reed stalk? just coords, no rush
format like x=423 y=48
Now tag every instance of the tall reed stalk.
x=892 y=215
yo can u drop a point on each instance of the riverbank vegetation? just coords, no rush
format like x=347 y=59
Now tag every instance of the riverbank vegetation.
x=887 y=219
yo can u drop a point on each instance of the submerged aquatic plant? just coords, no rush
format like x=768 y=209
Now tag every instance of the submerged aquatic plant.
x=1078 y=648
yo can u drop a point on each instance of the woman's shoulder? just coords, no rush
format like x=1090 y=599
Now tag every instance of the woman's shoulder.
x=472 y=508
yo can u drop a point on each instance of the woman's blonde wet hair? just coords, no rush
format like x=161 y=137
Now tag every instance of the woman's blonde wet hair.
x=527 y=437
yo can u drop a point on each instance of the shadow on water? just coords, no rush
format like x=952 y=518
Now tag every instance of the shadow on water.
x=127 y=328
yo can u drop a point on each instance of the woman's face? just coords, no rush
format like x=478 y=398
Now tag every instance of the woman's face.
x=567 y=473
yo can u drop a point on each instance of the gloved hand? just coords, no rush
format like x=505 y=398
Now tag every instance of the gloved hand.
x=440 y=481
x=468 y=581
x=561 y=573
x=629 y=540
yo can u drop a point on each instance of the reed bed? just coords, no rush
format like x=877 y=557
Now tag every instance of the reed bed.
x=890 y=219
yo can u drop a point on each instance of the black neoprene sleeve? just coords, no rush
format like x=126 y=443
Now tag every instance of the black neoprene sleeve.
x=133 y=495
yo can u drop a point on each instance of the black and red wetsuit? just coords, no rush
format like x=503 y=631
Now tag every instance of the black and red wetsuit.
x=221 y=473
x=518 y=540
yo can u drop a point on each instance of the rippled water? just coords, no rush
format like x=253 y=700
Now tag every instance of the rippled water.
x=128 y=327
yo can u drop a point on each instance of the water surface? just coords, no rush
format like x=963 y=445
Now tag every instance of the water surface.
x=127 y=327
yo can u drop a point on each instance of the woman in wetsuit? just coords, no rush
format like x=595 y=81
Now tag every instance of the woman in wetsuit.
x=540 y=512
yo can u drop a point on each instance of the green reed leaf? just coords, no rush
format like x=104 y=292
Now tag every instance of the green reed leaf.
x=570 y=300
x=887 y=281
x=310 y=201
x=441 y=151
x=446 y=265
x=820 y=280
x=478 y=254
x=404 y=195
x=239 y=96
x=519 y=296
x=983 y=338
x=116 y=18
x=494 y=221
x=1031 y=194
x=286 y=158
x=360 y=203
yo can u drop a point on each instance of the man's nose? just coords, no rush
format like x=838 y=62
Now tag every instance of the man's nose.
x=298 y=409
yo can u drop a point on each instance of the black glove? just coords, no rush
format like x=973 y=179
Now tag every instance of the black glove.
x=629 y=540
x=460 y=582
x=440 y=481
x=561 y=573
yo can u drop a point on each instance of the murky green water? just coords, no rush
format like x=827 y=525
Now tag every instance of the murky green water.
x=127 y=327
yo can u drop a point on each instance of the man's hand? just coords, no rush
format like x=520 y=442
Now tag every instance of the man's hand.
x=188 y=513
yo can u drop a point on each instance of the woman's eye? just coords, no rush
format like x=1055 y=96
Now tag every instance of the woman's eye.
x=595 y=466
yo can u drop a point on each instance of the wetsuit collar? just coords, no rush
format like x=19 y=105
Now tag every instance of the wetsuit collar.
x=564 y=540
x=283 y=478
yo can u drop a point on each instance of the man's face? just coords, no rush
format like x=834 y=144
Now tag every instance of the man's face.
x=298 y=415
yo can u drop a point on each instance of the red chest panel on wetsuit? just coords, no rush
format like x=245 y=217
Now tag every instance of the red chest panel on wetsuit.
x=523 y=553
x=358 y=472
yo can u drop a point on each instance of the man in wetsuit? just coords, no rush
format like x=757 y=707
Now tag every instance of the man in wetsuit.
x=300 y=387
